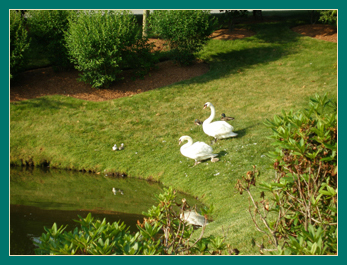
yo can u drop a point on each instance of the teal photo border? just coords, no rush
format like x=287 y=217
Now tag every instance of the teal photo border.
x=136 y=4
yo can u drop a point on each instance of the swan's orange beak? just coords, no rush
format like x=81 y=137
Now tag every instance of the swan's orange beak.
x=179 y=142
x=205 y=106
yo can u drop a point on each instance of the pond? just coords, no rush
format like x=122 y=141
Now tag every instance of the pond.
x=41 y=197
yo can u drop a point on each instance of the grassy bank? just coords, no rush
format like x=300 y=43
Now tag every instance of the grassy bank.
x=250 y=79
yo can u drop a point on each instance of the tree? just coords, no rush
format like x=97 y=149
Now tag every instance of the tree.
x=145 y=23
x=48 y=27
x=19 y=42
x=231 y=16
x=186 y=31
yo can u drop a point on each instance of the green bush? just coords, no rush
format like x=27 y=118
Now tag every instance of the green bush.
x=185 y=30
x=92 y=238
x=300 y=216
x=48 y=27
x=19 y=42
x=314 y=241
x=328 y=16
x=230 y=17
x=102 y=43
x=162 y=233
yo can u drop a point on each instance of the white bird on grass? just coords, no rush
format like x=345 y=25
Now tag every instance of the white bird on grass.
x=198 y=151
x=217 y=129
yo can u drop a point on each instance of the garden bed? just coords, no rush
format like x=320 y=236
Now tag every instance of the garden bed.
x=45 y=81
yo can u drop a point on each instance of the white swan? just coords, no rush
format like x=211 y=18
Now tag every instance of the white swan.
x=193 y=218
x=217 y=129
x=197 y=151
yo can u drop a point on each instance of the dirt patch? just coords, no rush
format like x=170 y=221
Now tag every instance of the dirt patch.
x=44 y=81
x=318 y=31
x=224 y=34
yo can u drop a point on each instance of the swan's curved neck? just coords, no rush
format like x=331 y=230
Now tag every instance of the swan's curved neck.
x=213 y=112
x=190 y=142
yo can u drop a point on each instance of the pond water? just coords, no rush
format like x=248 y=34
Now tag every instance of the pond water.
x=40 y=198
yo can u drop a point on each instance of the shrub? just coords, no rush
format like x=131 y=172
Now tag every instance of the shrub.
x=301 y=212
x=92 y=238
x=185 y=30
x=230 y=17
x=163 y=232
x=176 y=238
x=48 y=27
x=19 y=42
x=328 y=16
x=102 y=43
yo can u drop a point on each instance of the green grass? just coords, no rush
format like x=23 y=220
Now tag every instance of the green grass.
x=250 y=79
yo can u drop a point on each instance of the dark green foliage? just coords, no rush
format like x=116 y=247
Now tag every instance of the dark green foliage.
x=48 y=27
x=230 y=17
x=139 y=57
x=92 y=238
x=315 y=241
x=101 y=238
x=177 y=235
x=185 y=30
x=19 y=42
x=328 y=16
x=102 y=43
x=304 y=190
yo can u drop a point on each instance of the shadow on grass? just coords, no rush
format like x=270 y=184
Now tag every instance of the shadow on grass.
x=276 y=33
x=236 y=61
x=271 y=42
x=241 y=133
x=45 y=103
x=222 y=153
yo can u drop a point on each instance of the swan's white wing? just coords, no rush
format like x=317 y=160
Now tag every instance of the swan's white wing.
x=218 y=128
x=201 y=148
x=198 y=151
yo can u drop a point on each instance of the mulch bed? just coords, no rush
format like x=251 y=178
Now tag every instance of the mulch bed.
x=44 y=81
x=318 y=31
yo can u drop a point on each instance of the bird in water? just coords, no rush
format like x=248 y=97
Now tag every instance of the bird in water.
x=226 y=118
x=193 y=218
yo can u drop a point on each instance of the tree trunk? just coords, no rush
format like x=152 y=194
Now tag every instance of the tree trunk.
x=145 y=23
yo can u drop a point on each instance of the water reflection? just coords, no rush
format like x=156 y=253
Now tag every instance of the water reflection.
x=27 y=222
x=39 y=198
